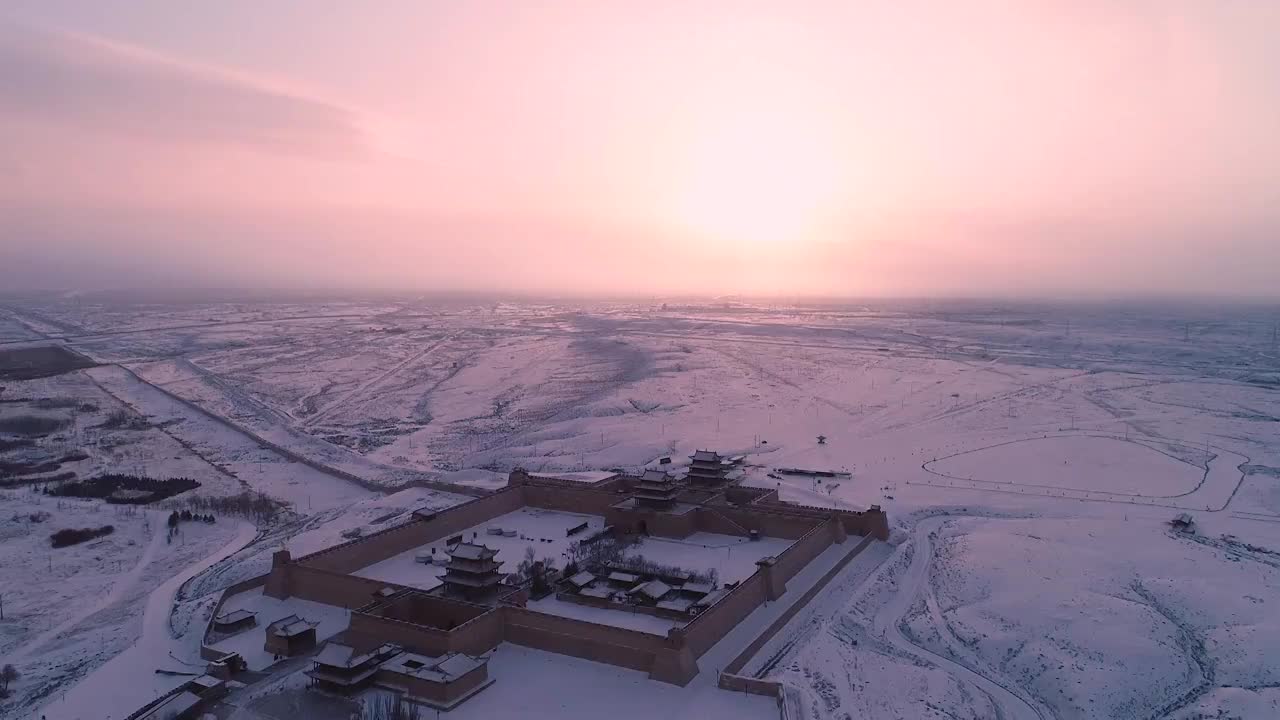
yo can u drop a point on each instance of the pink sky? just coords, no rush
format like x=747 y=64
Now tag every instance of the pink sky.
x=989 y=148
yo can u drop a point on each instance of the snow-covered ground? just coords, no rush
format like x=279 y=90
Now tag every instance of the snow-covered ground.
x=732 y=557
x=1052 y=442
x=70 y=611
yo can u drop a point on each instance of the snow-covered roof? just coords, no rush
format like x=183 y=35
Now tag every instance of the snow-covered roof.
x=206 y=681
x=705 y=456
x=602 y=593
x=441 y=670
x=621 y=577
x=233 y=617
x=337 y=655
x=458 y=665
x=289 y=626
x=678 y=604
x=582 y=578
x=711 y=599
x=582 y=476
x=173 y=707
x=656 y=476
x=654 y=589
x=701 y=588
x=472 y=551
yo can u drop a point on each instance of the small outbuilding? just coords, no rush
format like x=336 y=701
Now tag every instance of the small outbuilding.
x=235 y=621
x=652 y=591
x=624 y=579
x=581 y=580
x=696 y=589
x=290 y=636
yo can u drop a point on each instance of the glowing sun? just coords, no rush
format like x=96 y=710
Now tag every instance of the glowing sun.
x=762 y=179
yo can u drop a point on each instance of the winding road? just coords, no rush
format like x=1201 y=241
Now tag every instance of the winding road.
x=129 y=680
x=887 y=623
x=121 y=586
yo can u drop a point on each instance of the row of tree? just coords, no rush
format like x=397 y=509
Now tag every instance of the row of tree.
x=187 y=516
x=8 y=674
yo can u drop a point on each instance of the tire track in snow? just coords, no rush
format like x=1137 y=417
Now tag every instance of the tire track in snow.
x=345 y=400
x=887 y=623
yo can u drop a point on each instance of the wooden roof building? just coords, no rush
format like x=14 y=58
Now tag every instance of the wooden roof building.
x=340 y=668
x=472 y=571
x=290 y=636
x=657 y=490
x=706 y=468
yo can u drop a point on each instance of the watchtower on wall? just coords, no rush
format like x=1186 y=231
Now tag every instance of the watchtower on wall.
x=706 y=469
x=472 y=572
x=657 y=490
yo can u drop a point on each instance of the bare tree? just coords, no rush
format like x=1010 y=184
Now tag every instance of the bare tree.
x=8 y=674
x=387 y=707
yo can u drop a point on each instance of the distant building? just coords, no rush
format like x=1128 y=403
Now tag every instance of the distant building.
x=657 y=490
x=707 y=468
x=472 y=572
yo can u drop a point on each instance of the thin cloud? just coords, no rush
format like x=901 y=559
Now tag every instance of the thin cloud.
x=88 y=83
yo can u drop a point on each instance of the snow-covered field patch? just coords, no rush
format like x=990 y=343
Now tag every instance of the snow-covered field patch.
x=1077 y=462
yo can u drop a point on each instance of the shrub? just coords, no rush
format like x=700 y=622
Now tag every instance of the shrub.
x=123 y=420
x=75 y=536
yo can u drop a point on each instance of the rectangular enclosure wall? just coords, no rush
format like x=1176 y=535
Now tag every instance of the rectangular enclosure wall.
x=371 y=549
x=591 y=641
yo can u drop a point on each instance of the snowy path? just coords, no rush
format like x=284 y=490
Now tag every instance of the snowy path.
x=344 y=403
x=1214 y=492
x=118 y=589
x=129 y=680
x=887 y=623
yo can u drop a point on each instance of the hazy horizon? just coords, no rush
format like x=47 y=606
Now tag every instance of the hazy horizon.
x=822 y=150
